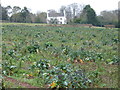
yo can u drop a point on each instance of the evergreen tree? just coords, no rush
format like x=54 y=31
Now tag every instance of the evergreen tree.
x=25 y=15
x=90 y=14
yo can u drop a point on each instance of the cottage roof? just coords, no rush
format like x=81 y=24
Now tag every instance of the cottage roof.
x=55 y=14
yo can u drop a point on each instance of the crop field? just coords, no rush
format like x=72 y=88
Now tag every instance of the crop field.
x=59 y=57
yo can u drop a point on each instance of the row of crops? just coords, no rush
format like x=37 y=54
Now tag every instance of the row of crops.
x=54 y=57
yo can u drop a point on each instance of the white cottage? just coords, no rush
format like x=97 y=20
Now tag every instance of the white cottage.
x=57 y=18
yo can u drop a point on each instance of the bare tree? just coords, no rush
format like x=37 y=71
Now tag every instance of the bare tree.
x=76 y=9
x=72 y=11
x=68 y=14
x=108 y=17
x=62 y=9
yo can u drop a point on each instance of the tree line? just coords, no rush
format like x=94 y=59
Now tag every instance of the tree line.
x=75 y=14
x=17 y=14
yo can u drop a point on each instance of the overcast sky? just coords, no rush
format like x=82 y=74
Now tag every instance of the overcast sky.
x=44 y=5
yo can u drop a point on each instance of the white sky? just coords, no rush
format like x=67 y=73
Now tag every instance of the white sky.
x=44 y=5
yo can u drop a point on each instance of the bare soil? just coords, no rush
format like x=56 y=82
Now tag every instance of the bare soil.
x=23 y=84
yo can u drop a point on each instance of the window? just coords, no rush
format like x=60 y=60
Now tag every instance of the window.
x=60 y=22
x=60 y=18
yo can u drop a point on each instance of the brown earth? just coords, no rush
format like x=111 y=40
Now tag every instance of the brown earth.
x=23 y=84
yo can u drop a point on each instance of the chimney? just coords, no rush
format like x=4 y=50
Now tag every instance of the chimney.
x=47 y=16
x=47 y=13
x=64 y=13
